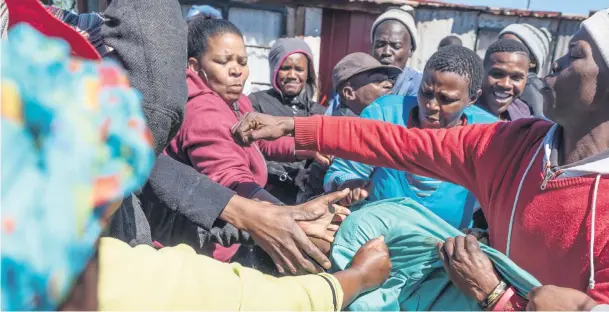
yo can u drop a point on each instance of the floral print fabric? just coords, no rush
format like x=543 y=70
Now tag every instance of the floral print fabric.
x=74 y=141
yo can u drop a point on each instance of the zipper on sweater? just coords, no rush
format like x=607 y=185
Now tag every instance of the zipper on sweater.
x=548 y=175
x=236 y=110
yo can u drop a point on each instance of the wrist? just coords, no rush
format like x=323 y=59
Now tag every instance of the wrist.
x=485 y=290
x=287 y=124
x=360 y=275
x=241 y=212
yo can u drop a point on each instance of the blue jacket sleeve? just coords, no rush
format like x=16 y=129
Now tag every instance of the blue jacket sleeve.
x=343 y=170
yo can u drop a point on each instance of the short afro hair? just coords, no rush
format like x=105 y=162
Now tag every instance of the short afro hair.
x=200 y=29
x=461 y=61
x=450 y=40
x=506 y=45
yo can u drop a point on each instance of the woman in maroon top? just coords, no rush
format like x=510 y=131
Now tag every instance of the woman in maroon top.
x=217 y=70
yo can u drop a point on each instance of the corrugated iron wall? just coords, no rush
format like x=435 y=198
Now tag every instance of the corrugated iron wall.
x=344 y=32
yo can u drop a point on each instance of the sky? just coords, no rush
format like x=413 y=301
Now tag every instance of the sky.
x=565 y=6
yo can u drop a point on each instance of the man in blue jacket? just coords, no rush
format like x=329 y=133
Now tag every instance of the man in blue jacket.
x=451 y=84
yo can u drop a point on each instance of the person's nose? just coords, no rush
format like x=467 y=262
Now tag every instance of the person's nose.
x=433 y=105
x=505 y=83
x=292 y=74
x=386 y=50
x=235 y=71
x=387 y=85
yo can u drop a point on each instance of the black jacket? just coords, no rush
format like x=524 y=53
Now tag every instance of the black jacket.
x=532 y=94
x=177 y=204
x=281 y=176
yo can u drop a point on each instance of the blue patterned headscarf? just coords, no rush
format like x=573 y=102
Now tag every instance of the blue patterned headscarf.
x=74 y=140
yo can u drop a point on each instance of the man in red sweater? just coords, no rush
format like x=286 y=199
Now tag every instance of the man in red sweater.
x=543 y=187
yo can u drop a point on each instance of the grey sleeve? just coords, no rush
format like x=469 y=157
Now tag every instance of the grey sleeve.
x=532 y=96
x=255 y=103
x=149 y=39
x=178 y=199
x=184 y=190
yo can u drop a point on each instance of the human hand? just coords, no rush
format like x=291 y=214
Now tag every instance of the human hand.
x=275 y=230
x=323 y=245
x=553 y=298
x=359 y=190
x=319 y=218
x=468 y=267
x=481 y=235
x=324 y=160
x=373 y=263
x=255 y=126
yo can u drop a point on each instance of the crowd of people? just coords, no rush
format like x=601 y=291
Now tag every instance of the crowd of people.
x=140 y=173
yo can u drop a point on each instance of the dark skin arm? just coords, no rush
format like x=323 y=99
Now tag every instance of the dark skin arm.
x=369 y=269
x=84 y=294
x=553 y=298
x=468 y=267
x=281 y=231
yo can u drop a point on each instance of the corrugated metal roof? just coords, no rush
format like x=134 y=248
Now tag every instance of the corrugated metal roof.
x=484 y=9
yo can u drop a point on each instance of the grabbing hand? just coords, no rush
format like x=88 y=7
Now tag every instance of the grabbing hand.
x=255 y=126
x=481 y=235
x=373 y=263
x=274 y=229
x=319 y=218
x=468 y=267
x=324 y=160
x=359 y=191
x=553 y=298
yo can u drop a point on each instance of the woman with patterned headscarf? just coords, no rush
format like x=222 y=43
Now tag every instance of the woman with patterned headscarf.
x=74 y=144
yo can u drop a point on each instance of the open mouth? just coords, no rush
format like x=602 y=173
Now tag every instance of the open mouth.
x=432 y=119
x=502 y=97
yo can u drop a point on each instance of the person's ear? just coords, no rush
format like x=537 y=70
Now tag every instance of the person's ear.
x=348 y=93
x=410 y=52
x=474 y=98
x=193 y=64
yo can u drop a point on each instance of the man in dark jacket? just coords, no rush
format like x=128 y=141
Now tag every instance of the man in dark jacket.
x=293 y=79
x=149 y=39
x=538 y=42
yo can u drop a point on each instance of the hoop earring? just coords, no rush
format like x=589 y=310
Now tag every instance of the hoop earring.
x=204 y=74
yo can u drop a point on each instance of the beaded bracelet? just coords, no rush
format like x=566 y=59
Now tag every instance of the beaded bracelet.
x=494 y=295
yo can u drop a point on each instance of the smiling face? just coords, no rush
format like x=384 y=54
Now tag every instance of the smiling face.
x=442 y=98
x=504 y=80
x=392 y=44
x=532 y=61
x=223 y=66
x=578 y=87
x=293 y=74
